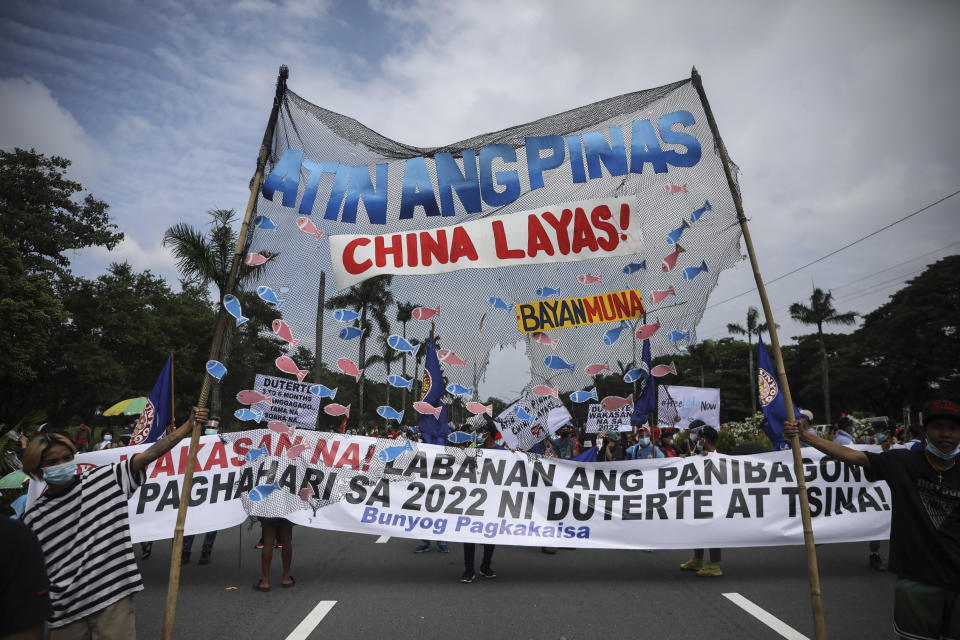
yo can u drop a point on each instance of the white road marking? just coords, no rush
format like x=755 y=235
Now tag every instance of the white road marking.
x=308 y=624
x=382 y=540
x=768 y=619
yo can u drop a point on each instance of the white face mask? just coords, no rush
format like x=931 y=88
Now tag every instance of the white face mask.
x=107 y=438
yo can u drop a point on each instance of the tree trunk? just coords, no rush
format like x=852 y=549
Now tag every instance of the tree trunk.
x=318 y=348
x=216 y=399
x=403 y=394
x=362 y=364
x=825 y=378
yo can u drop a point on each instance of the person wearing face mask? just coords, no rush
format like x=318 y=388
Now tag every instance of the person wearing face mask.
x=489 y=433
x=706 y=443
x=82 y=524
x=106 y=440
x=644 y=448
x=666 y=444
x=924 y=520
x=212 y=428
x=689 y=446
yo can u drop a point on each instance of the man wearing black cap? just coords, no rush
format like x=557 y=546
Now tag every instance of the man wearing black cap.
x=925 y=520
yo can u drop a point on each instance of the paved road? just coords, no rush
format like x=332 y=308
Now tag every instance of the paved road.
x=386 y=591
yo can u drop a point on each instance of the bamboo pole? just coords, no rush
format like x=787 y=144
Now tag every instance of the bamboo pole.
x=813 y=571
x=318 y=337
x=173 y=585
x=173 y=402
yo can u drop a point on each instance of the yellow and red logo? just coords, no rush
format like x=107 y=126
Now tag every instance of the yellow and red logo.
x=544 y=315
x=768 y=387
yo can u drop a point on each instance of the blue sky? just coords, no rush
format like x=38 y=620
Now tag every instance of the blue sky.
x=840 y=115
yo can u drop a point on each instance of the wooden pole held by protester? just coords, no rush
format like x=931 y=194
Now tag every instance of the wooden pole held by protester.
x=173 y=585
x=813 y=571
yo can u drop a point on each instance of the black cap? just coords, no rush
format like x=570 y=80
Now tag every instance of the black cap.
x=941 y=409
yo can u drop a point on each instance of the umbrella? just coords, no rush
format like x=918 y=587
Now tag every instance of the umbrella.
x=13 y=480
x=128 y=407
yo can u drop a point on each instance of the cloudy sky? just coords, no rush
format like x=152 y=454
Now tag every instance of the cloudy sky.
x=838 y=113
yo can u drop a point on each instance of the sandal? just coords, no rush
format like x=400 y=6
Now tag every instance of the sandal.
x=146 y=550
x=287 y=585
x=258 y=587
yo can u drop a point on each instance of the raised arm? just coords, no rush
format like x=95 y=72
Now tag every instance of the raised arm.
x=169 y=441
x=832 y=449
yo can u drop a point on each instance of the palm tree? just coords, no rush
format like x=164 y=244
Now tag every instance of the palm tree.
x=405 y=315
x=819 y=312
x=752 y=329
x=387 y=356
x=206 y=259
x=704 y=356
x=371 y=298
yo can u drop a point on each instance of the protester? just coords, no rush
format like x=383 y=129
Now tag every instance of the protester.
x=275 y=530
x=707 y=438
x=844 y=435
x=644 y=449
x=24 y=588
x=917 y=441
x=212 y=428
x=610 y=449
x=106 y=440
x=489 y=433
x=924 y=528
x=82 y=435
x=564 y=446
x=666 y=444
x=93 y=579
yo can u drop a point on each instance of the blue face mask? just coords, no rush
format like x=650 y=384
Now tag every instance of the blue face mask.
x=699 y=446
x=881 y=437
x=644 y=442
x=60 y=474
x=940 y=454
x=209 y=432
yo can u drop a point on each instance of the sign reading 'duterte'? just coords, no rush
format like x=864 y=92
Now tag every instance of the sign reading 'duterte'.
x=599 y=420
x=292 y=402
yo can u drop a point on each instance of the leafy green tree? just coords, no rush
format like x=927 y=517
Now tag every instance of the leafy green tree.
x=404 y=315
x=819 y=313
x=752 y=328
x=41 y=213
x=387 y=356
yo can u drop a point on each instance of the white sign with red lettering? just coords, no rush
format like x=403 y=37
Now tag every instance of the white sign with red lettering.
x=569 y=232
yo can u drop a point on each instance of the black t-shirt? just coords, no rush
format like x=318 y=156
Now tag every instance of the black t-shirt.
x=925 y=519
x=24 y=589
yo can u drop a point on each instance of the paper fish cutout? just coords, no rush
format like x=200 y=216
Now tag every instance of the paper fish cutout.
x=583 y=396
x=349 y=367
x=556 y=362
x=216 y=369
x=611 y=336
x=323 y=392
x=662 y=294
x=400 y=382
x=349 y=333
x=499 y=304
x=255 y=259
x=389 y=413
x=449 y=357
x=677 y=336
x=250 y=396
x=282 y=330
x=306 y=494
x=610 y=403
x=295 y=451
x=232 y=305
x=261 y=492
x=674 y=236
x=692 y=272
x=634 y=374
x=696 y=215
x=546 y=292
x=335 y=409
x=543 y=391
x=521 y=414
x=586 y=278
x=457 y=390
x=425 y=313
x=246 y=415
x=253 y=454
x=543 y=338
x=427 y=409
x=594 y=369
x=633 y=267
x=285 y=364
x=345 y=315
x=644 y=331
x=267 y=295
x=663 y=369
x=306 y=225
x=392 y=453
x=673 y=188
x=265 y=223
x=671 y=260
x=460 y=437
x=399 y=344
x=477 y=408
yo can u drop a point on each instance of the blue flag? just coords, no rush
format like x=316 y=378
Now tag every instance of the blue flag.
x=158 y=413
x=434 y=430
x=590 y=455
x=771 y=400
x=646 y=402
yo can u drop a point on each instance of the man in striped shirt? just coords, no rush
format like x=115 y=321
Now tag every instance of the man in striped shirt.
x=82 y=524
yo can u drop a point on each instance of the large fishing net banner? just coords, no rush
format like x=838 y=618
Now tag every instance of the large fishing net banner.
x=329 y=175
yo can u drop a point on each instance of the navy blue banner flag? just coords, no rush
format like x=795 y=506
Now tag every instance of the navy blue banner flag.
x=433 y=428
x=158 y=413
x=646 y=401
x=771 y=400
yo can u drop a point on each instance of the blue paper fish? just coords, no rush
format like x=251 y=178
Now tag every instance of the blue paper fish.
x=611 y=336
x=676 y=336
x=546 y=292
x=322 y=392
x=389 y=413
x=345 y=315
x=674 y=236
x=459 y=437
x=400 y=382
x=692 y=272
x=248 y=414
x=232 y=305
x=267 y=295
x=556 y=362
x=261 y=492
x=696 y=215
x=633 y=267
x=521 y=414
x=216 y=369
x=349 y=333
x=499 y=304
x=583 y=396
x=634 y=374
x=398 y=343
x=265 y=223
x=253 y=454
x=457 y=390
x=392 y=453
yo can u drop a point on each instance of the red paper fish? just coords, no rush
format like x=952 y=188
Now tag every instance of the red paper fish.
x=544 y=391
x=663 y=369
x=615 y=402
x=543 y=338
x=253 y=397
x=476 y=408
x=586 y=278
x=294 y=452
x=280 y=427
x=285 y=364
x=306 y=494
x=306 y=225
x=428 y=409
x=671 y=260
x=673 y=188
x=661 y=295
x=594 y=369
x=283 y=331
x=425 y=313
x=644 y=331
x=349 y=367
x=335 y=409
x=449 y=357
x=254 y=259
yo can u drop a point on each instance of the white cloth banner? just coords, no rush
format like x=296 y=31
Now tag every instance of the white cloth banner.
x=599 y=419
x=689 y=403
x=382 y=487
x=531 y=419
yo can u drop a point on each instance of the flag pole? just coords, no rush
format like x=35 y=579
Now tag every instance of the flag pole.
x=173 y=585
x=813 y=571
x=173 y=402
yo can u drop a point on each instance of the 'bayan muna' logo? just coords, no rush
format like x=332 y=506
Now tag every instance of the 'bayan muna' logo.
x=768 y=387
x=144 y=423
